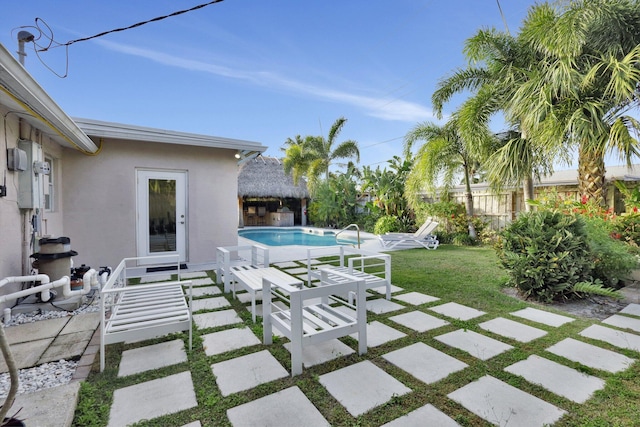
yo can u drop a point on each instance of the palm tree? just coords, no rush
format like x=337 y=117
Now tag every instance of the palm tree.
x=313 y=155
x=587 y=83
x=498 y=64
x=443 y=156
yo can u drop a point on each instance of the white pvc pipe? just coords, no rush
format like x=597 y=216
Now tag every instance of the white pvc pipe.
x=44 y=288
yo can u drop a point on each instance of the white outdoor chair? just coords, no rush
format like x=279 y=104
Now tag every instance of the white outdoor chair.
x=311 y=323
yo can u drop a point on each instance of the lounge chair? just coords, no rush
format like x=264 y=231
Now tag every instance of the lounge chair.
x=422 y=237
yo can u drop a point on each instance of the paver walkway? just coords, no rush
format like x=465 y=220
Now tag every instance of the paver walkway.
x=367 y=383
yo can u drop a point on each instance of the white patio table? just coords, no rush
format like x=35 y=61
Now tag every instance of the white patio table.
x=251 y=281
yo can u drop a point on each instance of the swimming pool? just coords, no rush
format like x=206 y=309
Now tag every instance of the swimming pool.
x=294 y=236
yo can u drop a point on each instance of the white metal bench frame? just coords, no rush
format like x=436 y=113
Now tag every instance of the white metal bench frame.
x=373 y=267
x=251 y=281
x=313 y=323
x=143 y=311
x=229 y=258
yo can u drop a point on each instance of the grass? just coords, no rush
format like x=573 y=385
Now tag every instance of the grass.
x=467 y=275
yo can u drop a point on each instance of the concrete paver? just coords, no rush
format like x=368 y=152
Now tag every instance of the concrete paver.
x=186 y=275
x=209 y=303
x=287 y=407
x=504 y=405
x=49 y=407
x=631 y=309
x=557 y=378
x=66 y=346
x=457 y=311
x=477 y=345
x=152 y=357
x=383 y=289
x=322 y=352
x=227 y=340
x=155 y=278
x=245 y=372
x=381 y=305
x=286 y=264
x=624 y=322
x=81 y=322
x=296 y=270
x=591 y=355
x=26 y=354
x=362 y=387
x=416 y=298
x=419 y=321
x=428 y=415
x=35 y=331
x=152 y=399
x=205 y=291
x=205 y=281
x=511 y=329
x=216 y=318
x=425 y=363
x=613 y=336
x=378 y=333
x=541 y=316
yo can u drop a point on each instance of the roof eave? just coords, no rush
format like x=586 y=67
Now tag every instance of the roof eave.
x=102 y=129
x=20 y=91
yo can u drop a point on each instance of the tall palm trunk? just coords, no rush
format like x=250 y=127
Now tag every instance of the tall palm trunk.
x=528 y=192
x=468 y=203
x=591 y=175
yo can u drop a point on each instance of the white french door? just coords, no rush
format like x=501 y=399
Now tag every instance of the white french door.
x=162 y=213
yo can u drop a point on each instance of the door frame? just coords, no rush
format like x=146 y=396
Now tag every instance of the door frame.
x=142 y=212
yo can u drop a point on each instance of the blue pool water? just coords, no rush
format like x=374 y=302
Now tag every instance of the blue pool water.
x=286 y=237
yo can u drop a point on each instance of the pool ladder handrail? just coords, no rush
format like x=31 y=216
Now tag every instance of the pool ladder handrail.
x=346 y=228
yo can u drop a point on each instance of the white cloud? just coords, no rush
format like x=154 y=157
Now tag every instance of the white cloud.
x=398 y=110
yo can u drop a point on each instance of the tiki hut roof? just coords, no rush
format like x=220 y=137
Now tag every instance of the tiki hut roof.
x=264 y=176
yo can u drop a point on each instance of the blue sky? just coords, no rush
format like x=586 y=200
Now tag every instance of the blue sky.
x=257 y=70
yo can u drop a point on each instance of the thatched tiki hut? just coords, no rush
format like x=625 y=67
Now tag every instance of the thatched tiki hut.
x=267 y=196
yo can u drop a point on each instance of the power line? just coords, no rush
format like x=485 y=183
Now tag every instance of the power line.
x=382 y=142
x=139 y=24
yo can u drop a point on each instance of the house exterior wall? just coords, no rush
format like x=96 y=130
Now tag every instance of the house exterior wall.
x=16 y=245
x=100 y=198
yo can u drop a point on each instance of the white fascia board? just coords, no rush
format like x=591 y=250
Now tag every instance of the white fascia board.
x=42 y=112
x=101 y=129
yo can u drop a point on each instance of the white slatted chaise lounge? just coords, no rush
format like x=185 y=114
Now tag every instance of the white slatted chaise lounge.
x=422 y=237
x=373 y=267
x=232 y=258
x=311 y=323
x=143 y=311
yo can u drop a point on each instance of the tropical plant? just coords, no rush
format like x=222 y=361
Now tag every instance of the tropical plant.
x=387 y=224
x=335 y=200
x=312 y=156
x=442 y=157
x=498 y=63
x=386 y=186
x=611 y=258
x=585 y=83
x=545 y=254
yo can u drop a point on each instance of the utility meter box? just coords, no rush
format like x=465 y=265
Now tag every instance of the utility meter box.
x=30 y=185
x=16 y=159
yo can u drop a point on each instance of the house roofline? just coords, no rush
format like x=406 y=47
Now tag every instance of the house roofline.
x=20 y=92
x=102 y=129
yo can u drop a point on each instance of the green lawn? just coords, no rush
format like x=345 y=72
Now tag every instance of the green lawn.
x=469 y=276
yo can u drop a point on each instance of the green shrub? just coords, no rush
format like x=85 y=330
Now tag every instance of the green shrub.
x=612 y=260
x=387 y=224
x=546 y=253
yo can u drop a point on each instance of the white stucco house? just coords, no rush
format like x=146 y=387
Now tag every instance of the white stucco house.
x=114 y=190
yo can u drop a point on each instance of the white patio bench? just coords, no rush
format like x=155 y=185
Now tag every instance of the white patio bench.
x=142 y=311
x=373 y=267
x=311 y=323
x=230 y=258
